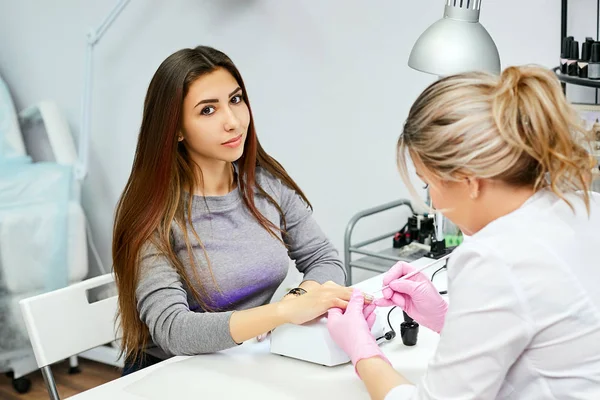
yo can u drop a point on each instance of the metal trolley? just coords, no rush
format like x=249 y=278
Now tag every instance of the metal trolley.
x=377 y=261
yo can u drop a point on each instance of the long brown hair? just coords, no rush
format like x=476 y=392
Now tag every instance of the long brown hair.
x=153 y=198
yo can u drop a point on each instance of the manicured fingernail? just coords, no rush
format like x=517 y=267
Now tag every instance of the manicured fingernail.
x=368 y=297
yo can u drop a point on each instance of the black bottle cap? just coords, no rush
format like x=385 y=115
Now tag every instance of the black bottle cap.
x=596 y=52
x=409 y=332
x=574 y=50
x=589 y=39
x=586 y=51
x=566 y=48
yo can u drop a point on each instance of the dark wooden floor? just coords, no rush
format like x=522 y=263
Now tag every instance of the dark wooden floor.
x=92 y=374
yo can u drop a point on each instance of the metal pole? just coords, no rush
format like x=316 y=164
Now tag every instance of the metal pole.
x=50 y=383
x=597 y=32
x=86 y=103
x=563 y=20
x=563 y=32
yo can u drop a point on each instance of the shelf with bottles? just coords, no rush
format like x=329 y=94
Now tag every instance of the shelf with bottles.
x=577 y=68
x=576 y=80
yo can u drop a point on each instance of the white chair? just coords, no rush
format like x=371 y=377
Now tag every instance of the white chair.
x=63 y=323
x=39 y=133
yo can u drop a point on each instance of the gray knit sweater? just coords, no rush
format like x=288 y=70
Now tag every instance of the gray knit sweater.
x=248 y=264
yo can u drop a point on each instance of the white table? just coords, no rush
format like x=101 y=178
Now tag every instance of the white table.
x=250 y=371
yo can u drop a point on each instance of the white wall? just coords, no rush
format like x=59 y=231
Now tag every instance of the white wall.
x=328 y=81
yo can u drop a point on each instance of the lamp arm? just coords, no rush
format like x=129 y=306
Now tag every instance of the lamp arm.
x=93 y=37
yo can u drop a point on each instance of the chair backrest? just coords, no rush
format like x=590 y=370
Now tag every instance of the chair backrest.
x=46 y=134
x=11 y=140
x=63 y=323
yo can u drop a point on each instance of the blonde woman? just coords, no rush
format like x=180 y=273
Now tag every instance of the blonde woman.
x=505 y=160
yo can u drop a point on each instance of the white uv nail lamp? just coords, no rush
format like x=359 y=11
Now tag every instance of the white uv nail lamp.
x=311 y=342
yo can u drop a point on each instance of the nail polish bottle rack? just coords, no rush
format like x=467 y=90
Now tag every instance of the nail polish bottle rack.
x=573 y=80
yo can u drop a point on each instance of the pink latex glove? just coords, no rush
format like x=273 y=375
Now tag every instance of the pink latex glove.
x=351 y=330
x=416 y=296
x=369 y=314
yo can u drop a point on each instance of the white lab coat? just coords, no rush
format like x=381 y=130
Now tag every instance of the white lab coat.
x=524 y=309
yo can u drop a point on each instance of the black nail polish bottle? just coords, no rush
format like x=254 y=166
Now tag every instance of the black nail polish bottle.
x=409 y=330
x=572 y=63
x=565 y=54
x=594 y=65
x=586 y=55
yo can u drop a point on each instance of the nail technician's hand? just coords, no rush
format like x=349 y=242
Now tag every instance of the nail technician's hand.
x=416 y=296
x=369 y=314
x=351 y=329
x=315 y=303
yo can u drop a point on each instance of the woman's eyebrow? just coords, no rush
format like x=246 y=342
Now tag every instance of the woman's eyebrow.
x=217 y=100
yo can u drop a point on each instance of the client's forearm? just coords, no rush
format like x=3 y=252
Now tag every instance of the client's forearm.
x=247 y=324
x=379 y=377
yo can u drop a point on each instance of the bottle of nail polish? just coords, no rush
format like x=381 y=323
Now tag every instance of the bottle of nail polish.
x=572 y=62
x=409 y=330
x=582 y=64
x=565 y=53
x=590 y=41
x=594 y=65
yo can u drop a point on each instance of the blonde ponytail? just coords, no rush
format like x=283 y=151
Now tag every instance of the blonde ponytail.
x=533 y=116
x=518 y=128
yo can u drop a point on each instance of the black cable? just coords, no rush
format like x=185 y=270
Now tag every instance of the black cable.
x=433 y=276
x=438 y=270
x=388 y=318
x=390 y=325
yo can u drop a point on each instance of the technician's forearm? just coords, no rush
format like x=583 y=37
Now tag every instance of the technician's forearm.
x=248 y=324
x=379 y=377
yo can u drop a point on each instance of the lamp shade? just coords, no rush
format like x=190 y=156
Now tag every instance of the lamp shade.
x=456 y=43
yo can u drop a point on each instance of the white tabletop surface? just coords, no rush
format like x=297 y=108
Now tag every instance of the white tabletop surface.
x=250 y=371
